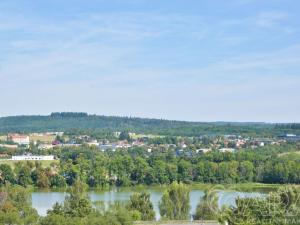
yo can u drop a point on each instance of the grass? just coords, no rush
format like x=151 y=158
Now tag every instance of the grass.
x=243 y=187
x=44 y=138
x=45 y=163
x=289 y=153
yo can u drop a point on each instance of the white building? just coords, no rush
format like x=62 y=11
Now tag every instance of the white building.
x=227 y=150
x=203 y=150
x=32 y=157
x=45 y=146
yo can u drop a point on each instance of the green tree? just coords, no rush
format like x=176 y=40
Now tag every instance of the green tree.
x=141 y=202
x=77 y=204
x=207 y=208
x=15 y=207
x=23 y=174
x=57 y=181
x=245 y=171
x=6 y=174
x=124 y=135
x=185 y=171
x=175 y=202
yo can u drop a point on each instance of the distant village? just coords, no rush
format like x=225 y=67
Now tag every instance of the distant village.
x=187 y=146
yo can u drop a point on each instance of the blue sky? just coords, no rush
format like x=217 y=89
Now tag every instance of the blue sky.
x=198 y=60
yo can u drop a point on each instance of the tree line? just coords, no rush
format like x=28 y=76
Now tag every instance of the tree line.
x=136 y=166
x=78 y=122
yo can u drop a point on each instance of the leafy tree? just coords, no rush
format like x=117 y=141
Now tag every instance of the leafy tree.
x=246 y=171
x=185 y=171
x=207 y=208
x=15 y=207
x=141 y=202
x=23 y=174
x=175 y=202
x=57 y=181
x=77 y=204
x=140 y=171
x=6 y=175
x=125 y=136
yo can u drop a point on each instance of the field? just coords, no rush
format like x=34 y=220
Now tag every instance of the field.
x=289 y=153
x=44 y=138
x=45 y=163
x=3 y=138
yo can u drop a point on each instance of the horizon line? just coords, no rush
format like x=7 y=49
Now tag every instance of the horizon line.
x=153 y=118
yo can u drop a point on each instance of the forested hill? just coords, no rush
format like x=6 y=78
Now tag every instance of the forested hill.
x=83 y=121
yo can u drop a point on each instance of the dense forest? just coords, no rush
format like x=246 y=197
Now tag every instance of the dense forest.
x=83 y=121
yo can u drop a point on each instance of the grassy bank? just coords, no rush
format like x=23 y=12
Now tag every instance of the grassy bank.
x=246 y=187
x=45 y=163
x=177 y=223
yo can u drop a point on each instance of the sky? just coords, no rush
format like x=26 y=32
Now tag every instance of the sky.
x=194 y=60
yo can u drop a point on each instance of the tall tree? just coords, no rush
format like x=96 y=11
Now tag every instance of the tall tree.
x=141 y=202
x=175 y=202
x=208 y=206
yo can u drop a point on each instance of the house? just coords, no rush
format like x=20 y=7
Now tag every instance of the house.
x=19 y=139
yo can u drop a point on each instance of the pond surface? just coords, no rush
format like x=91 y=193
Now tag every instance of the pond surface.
x=43 y=201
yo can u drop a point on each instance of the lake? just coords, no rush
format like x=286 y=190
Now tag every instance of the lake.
x=42 y=201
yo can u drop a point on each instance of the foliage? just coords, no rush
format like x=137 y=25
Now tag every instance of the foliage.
x=141 y=203
x=77 y=209
x=281 y=207
x=175 y=202
x=75 y=122
x=274 y=164
x=207 y=208
x=15 y=206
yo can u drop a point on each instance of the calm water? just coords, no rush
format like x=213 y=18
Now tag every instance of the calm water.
x=42 y=201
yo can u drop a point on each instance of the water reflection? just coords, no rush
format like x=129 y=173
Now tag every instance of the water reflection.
x=43 y=201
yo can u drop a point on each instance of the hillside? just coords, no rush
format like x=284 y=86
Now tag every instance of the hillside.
x=83 y=121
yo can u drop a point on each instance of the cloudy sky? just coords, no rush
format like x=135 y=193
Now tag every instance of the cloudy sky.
x=208 y=60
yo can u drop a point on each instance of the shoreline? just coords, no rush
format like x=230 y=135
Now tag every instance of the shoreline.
x=243 y=187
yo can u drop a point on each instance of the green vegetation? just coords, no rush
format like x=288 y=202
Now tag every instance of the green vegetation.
x=175 y=202
x=44 y=163
x=15 y=206
x=281 y=207
x=208 y=207
x=142 y=204
x=136 y=166
x=76 y=122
